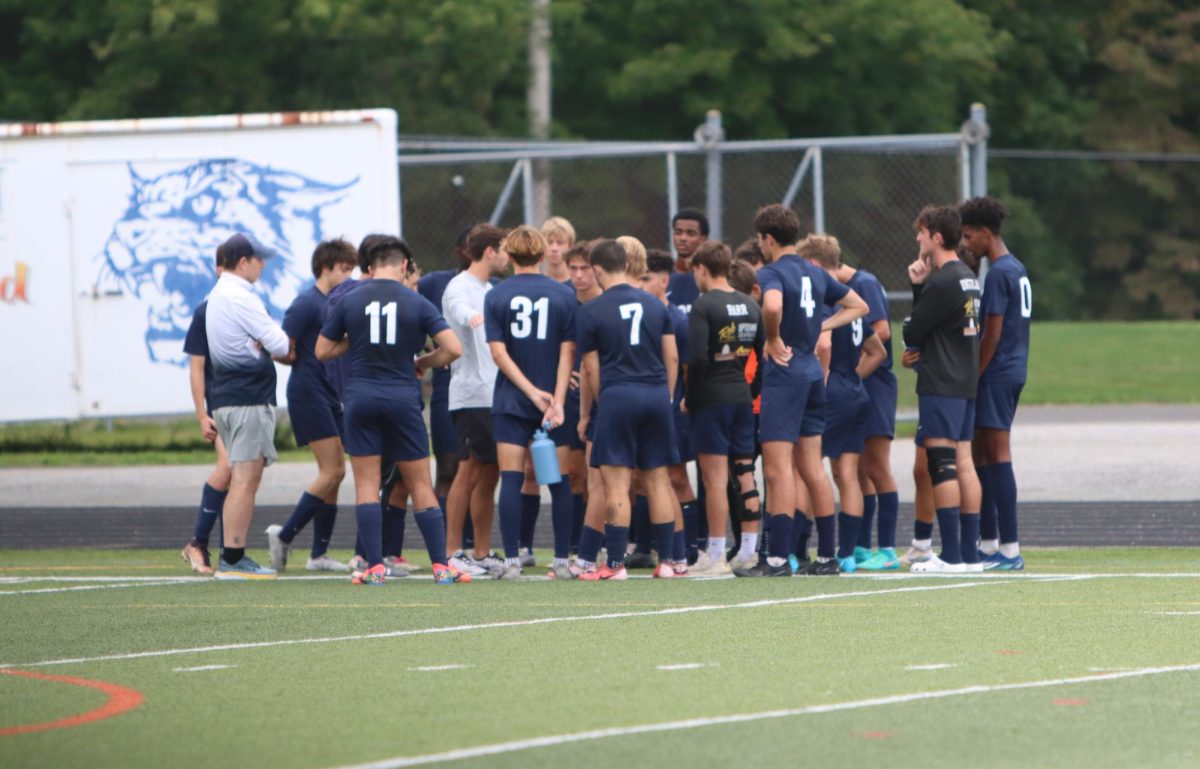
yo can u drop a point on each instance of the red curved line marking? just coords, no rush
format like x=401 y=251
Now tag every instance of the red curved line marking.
x=120 y=699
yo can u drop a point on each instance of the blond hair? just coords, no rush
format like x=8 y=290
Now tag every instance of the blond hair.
x=524 y=245
x=635 y=253
x=822 y=249
x=556 y=225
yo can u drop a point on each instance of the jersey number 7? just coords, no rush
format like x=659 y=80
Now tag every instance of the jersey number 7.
x=633 y=311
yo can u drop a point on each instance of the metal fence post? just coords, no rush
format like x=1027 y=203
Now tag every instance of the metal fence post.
x=710 y=135
x=979 y=184
x=818 y=168
x=672 y=200
x=527 y=191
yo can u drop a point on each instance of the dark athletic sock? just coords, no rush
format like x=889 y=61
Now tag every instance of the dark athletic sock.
x=640 y=528
x=781 y=536
x=664 y=539
x=691 y=529
x=233 y=554
x=433 y=529
x=889 y=511
x=616 y=538
x=803 y=533
x=393 y=529
x=580 y=508
x=702 y=531
x=848 y=528
x=947 y=518
x=370 y=531
x=510 y=511
x=827 y=536
x=305 y=509
x=562 y=514
x=531 y=505
x=212 y=503
x=987 y=509
x=922 y=530
x=868 y=516
x=323 y=529
x=589 y=544
x=1004 y=485
x=969 y=537
x=468 y=535
x=678 y=547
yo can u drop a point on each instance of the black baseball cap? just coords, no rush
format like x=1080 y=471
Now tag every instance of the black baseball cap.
x=240 y=245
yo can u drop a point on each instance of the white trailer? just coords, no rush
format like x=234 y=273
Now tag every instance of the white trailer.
x=108 y=236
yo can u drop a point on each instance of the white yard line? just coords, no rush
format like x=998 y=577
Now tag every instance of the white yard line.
x=201 y=668
x=935 y=666
x=85 y=587
x=1175 y=613
x=686 y=666
x=698 y=723
x=514 y=623
x=436 y=668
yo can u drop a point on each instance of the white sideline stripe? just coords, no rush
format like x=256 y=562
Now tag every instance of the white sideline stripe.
x=84 y=587
x=506 y=624
x=434 y=668
x=935 y=666
x=685 y=666
x=1175 y=613
x=200 y=668
x=697 y=723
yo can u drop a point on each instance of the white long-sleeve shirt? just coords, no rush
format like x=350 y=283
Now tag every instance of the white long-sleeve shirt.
x=242 y=337
x=472 y=376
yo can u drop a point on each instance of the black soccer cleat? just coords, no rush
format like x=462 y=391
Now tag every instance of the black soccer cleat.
x=823 y=568
x=764 y=569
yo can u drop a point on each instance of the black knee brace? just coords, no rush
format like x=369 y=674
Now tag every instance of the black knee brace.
x=943 y=464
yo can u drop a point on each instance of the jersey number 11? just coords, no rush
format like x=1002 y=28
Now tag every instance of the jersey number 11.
x=389 y=312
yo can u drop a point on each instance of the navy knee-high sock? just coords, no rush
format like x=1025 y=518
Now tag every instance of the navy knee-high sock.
x=802 y=533
x=691 y=529
x=432 y=524
x=969 y=537
x=640 y=528
x=212 y=504
x=308 y=506
x=848 y=528
x=531 y=505
x=664 y=539
x=827 y=536
x=393 y=530
x=370 y=531
x=562 y=514
x=922 y=530
x=781 y=536
x=616 y=539
x=889 y=511
x=589 y=544
x=702 y=531
x=1004 y=488
x=510 y=511
x=947 y=518
x=987 y=509
x=678 y=547
x=468 y=535
x=323 y=529
x=577 y=516
x=868 y=516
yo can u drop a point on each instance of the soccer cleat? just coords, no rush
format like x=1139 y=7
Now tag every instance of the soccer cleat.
x=578 y=571
x=639 y=560
x=492 y=563
x=606 y=573
x=862 y=554
x=527 y=558
x=997 y=562
x=935 y=565
x=680 y=568
x=823 y=567
x=447 y=575
x=743 y=562
x=706 y=567
x=243 y=570
x=511 y=571
x=664 y=570
x=277 y=549
x=400 y=562
x=916 y=555
x=883 y=559
x=324 y=563
x=357 y=563
x=973 y=568
x=765 y=569
x=374 y=576
x=467 y=565
x=848 y=565
x=562 y=571
x=196 y=556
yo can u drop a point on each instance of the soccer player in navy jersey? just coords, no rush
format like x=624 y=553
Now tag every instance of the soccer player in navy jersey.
x=630 y=359
x=529 y=321
x=384 y=325
x=316 y=412
x=854 y=353
x=216 y=487
x=689 y=228
x=793 y=394
x=1007 y=307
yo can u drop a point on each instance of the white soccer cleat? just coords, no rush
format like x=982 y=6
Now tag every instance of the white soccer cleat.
x=466 y=565
x=935 y=565
x=916 y=555
x=324 y=563
x=277 y=549
x=973 y=568
x=740 y=562
x=705 y=566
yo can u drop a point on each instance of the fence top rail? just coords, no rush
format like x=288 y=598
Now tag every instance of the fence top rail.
x=1131 y=155
x=538 y=151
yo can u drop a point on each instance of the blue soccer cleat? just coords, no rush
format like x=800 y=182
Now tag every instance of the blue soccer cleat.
x=997 y=562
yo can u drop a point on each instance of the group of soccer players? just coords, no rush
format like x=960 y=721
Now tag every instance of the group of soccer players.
x=637 y=364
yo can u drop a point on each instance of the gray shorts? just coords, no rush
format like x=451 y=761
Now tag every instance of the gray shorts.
x=248 y=432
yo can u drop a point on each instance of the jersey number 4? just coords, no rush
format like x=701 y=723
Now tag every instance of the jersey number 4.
x=806 y=301
x=388 y=312
x=633 y=311
x=522 y=324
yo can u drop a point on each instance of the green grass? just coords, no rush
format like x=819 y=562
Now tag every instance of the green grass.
x=334 y=703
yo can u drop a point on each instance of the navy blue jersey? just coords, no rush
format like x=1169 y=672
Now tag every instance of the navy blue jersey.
x=196 y=343
x=805 y=290
x=679 y=321
x=625 y=325
x=682 y=290
x=432 y=286
x=532 y=315
x=871 y=290
x=1007 y=292
x=337 y=371
x=846 y=350
x=302 y=322
x=387 y=325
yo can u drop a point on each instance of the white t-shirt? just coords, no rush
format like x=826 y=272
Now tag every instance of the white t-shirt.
x=472 y=376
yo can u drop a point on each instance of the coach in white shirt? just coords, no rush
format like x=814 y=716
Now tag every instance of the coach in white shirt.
x=242 y=339
x=472 y=382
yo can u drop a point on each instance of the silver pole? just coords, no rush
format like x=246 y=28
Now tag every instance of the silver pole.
x=979 y=183
x=538 y=106
x=964 y=170
x=672 y=200
x=527 y=191
x=818 y=190
x=798 y=178
x=505 y=194
x=710 y=135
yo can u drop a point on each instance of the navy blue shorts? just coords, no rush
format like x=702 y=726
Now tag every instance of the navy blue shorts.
x=474 y=430
x=792 y=411
x=881 y=413
x=509 y=428
x=392 y=429
x=943 y=417
x=845 y=425
x=445 y=440
x=634 y=428
x=996 y=404
x=567 y=434
x=315 y=419
x=684 y=448
x=726 y=430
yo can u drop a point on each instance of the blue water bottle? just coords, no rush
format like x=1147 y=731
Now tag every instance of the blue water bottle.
x=545 y=458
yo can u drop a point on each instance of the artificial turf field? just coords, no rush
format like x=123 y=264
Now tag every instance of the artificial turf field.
x=1090 y=658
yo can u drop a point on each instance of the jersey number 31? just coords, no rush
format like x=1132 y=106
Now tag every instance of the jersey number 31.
x=522 y=324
